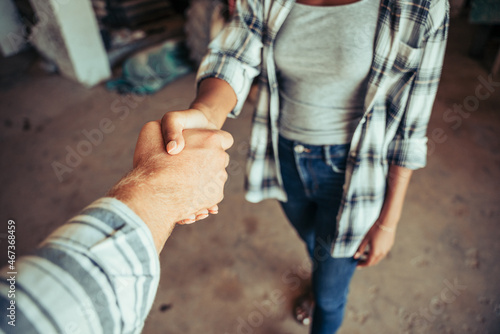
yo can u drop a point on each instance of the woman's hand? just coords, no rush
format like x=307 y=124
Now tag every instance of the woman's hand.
x=163 y=189
x=209 y=110
x=380 y=237
x=174 y=122
x=380 y=240
x=202 y=214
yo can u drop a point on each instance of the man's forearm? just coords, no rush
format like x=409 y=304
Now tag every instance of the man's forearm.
x=149 y=204
x=398 y=180
x=81 y=278
x=216 y=98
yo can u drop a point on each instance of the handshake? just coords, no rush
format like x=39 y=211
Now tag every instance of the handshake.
x=113 y=245
x=182 y=186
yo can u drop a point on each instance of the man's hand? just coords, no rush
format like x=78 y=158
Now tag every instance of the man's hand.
x=164 y=189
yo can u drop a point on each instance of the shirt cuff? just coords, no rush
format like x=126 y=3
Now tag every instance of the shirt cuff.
x=237 y=74
x=408 y=153
x=117 y=250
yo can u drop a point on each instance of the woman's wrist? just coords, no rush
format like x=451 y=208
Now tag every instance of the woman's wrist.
x=386 y=228
x=392 y=208
x=390 y=215
x=209 y=113
x=215 y=99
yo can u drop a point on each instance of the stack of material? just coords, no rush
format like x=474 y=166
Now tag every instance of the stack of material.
x=133 y=13
x=26 y=11
x=100 y=10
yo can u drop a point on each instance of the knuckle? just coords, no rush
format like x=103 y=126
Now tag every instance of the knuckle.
x=150 y=125
x=172 y=118
x=212 y=137
x=166 y=118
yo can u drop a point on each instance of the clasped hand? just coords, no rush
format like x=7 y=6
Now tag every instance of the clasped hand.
x=175 y=129
x=165 y=189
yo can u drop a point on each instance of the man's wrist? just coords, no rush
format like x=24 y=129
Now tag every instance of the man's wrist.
x=135 y=192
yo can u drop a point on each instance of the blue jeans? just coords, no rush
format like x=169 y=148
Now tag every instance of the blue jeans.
x=313 y=177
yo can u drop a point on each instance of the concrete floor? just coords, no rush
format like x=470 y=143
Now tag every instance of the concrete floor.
x=226 y=274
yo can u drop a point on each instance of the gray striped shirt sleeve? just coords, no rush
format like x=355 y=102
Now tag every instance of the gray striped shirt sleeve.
x=98 y=273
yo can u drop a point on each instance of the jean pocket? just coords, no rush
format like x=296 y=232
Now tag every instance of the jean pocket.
x=338 y=167
x=338 y=158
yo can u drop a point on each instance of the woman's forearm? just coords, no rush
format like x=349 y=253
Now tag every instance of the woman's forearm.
x=397 y=185
x=381 y=235
x=216 y=98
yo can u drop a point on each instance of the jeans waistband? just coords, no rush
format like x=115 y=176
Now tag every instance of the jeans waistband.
x=325 y=152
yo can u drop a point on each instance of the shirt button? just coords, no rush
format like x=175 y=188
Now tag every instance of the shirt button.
x=299 y=148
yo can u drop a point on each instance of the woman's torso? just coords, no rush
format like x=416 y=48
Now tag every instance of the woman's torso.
x=323 y=57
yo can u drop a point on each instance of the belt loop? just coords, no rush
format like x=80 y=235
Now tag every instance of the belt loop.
x=326 y=155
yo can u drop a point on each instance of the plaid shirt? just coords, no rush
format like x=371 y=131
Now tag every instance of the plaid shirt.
x=408 y=54
x=98 y=274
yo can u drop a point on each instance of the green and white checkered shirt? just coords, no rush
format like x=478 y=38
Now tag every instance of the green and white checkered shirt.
x=409 y=49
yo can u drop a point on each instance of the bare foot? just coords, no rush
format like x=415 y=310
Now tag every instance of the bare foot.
x=303 y=308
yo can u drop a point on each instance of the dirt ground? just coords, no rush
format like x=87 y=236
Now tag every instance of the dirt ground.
x=238 y=271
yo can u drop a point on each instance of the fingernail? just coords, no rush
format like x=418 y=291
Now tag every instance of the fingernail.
x=172 y=145
x=214 y=212
x=202 y=216
x=188 y=221
x=191 y=217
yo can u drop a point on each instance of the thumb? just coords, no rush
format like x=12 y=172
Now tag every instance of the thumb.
x=226 y=140
x=149 y=142
x=171 y=128
x=361 y=248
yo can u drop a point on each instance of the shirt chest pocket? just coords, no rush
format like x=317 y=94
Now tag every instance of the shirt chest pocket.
x=407 y=59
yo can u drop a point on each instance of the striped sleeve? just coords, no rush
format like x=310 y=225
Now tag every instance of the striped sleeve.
x=235 y=54
x=409 y=147
x=98 y=273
